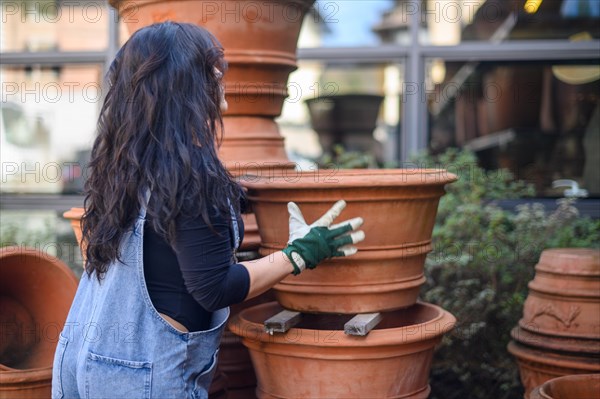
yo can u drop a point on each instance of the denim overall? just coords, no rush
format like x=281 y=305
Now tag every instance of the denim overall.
x=115 y=344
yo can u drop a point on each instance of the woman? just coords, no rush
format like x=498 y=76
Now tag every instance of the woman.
x=161 y=227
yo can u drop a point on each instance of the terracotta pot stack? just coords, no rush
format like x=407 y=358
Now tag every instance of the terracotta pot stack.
x=559 y=333
x=260 y=39
x=36 y=291
x=316 y=358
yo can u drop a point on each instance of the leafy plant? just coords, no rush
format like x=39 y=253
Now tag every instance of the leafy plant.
x=342 y=159
x=482 y=260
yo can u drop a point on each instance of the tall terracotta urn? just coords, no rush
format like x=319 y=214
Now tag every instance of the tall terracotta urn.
x=559 y=333
x=398 y=206
x=317 y=360
x=36 y=291
x=260 y=39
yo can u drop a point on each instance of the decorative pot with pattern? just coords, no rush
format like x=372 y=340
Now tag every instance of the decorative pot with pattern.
x=559 y=333
x=564 y=296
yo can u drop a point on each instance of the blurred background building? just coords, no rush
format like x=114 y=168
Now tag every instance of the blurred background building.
x=515 y=81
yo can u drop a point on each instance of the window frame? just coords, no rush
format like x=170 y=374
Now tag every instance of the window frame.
x=414 y=121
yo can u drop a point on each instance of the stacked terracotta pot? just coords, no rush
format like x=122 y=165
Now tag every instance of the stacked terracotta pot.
x=36 y=291
x=559 y=333
x=316 y=359
x=259 y=38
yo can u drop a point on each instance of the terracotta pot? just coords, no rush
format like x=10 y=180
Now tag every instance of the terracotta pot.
x=317 y=360
x=586 y=386
x=564 y=296
x=538 y=366
x=36 y=291
x=399 y=207
x=347 y=119
x=259 y=38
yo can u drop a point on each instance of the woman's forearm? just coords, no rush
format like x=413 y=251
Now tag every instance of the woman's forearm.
x=266 y=272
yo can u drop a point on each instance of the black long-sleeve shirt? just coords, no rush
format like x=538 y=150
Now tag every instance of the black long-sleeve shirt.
x=199 y=276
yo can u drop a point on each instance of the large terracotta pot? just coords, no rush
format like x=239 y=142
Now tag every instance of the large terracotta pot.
x=399 y=207
x=585 y=386
x=564 y=296
x=317 y=360
x=36 y=291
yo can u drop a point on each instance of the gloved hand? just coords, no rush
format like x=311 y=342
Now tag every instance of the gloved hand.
x=308 y=245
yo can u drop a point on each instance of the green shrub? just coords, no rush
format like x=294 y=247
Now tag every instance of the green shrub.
x=482 y=260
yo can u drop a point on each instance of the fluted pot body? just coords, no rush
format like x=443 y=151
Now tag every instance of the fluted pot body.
x=260 y=39
x=399 y=209
x=317 y=360
x=36 y=291
x=564 y=296
x=585 y=386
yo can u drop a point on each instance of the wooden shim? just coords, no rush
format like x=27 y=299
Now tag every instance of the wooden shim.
x=282 y=321
x=361 y=324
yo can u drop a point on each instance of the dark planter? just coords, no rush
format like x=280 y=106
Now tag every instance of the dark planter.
x=347 y=119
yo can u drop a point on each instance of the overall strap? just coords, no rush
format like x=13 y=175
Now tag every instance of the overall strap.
x=144 y=205
x=235 y=225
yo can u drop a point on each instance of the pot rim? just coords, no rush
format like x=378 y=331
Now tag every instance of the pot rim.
x=74 y=213
x=420 y=332
x=574 y=379
x=548 y=339
x=18 y=251
x=117 y=3
x=570 y=261
x=350 y=178
x=551 y=358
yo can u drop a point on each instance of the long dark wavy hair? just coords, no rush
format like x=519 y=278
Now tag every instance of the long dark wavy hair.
x=158 y=130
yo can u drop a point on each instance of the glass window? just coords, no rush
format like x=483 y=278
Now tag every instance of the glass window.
x=354 y=105
x=451 y=22
x=343 y=23
x=48 y=120
x=51 y=25
x=540 y=120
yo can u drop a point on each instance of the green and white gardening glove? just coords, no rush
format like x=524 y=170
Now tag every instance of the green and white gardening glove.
x=308 y=245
